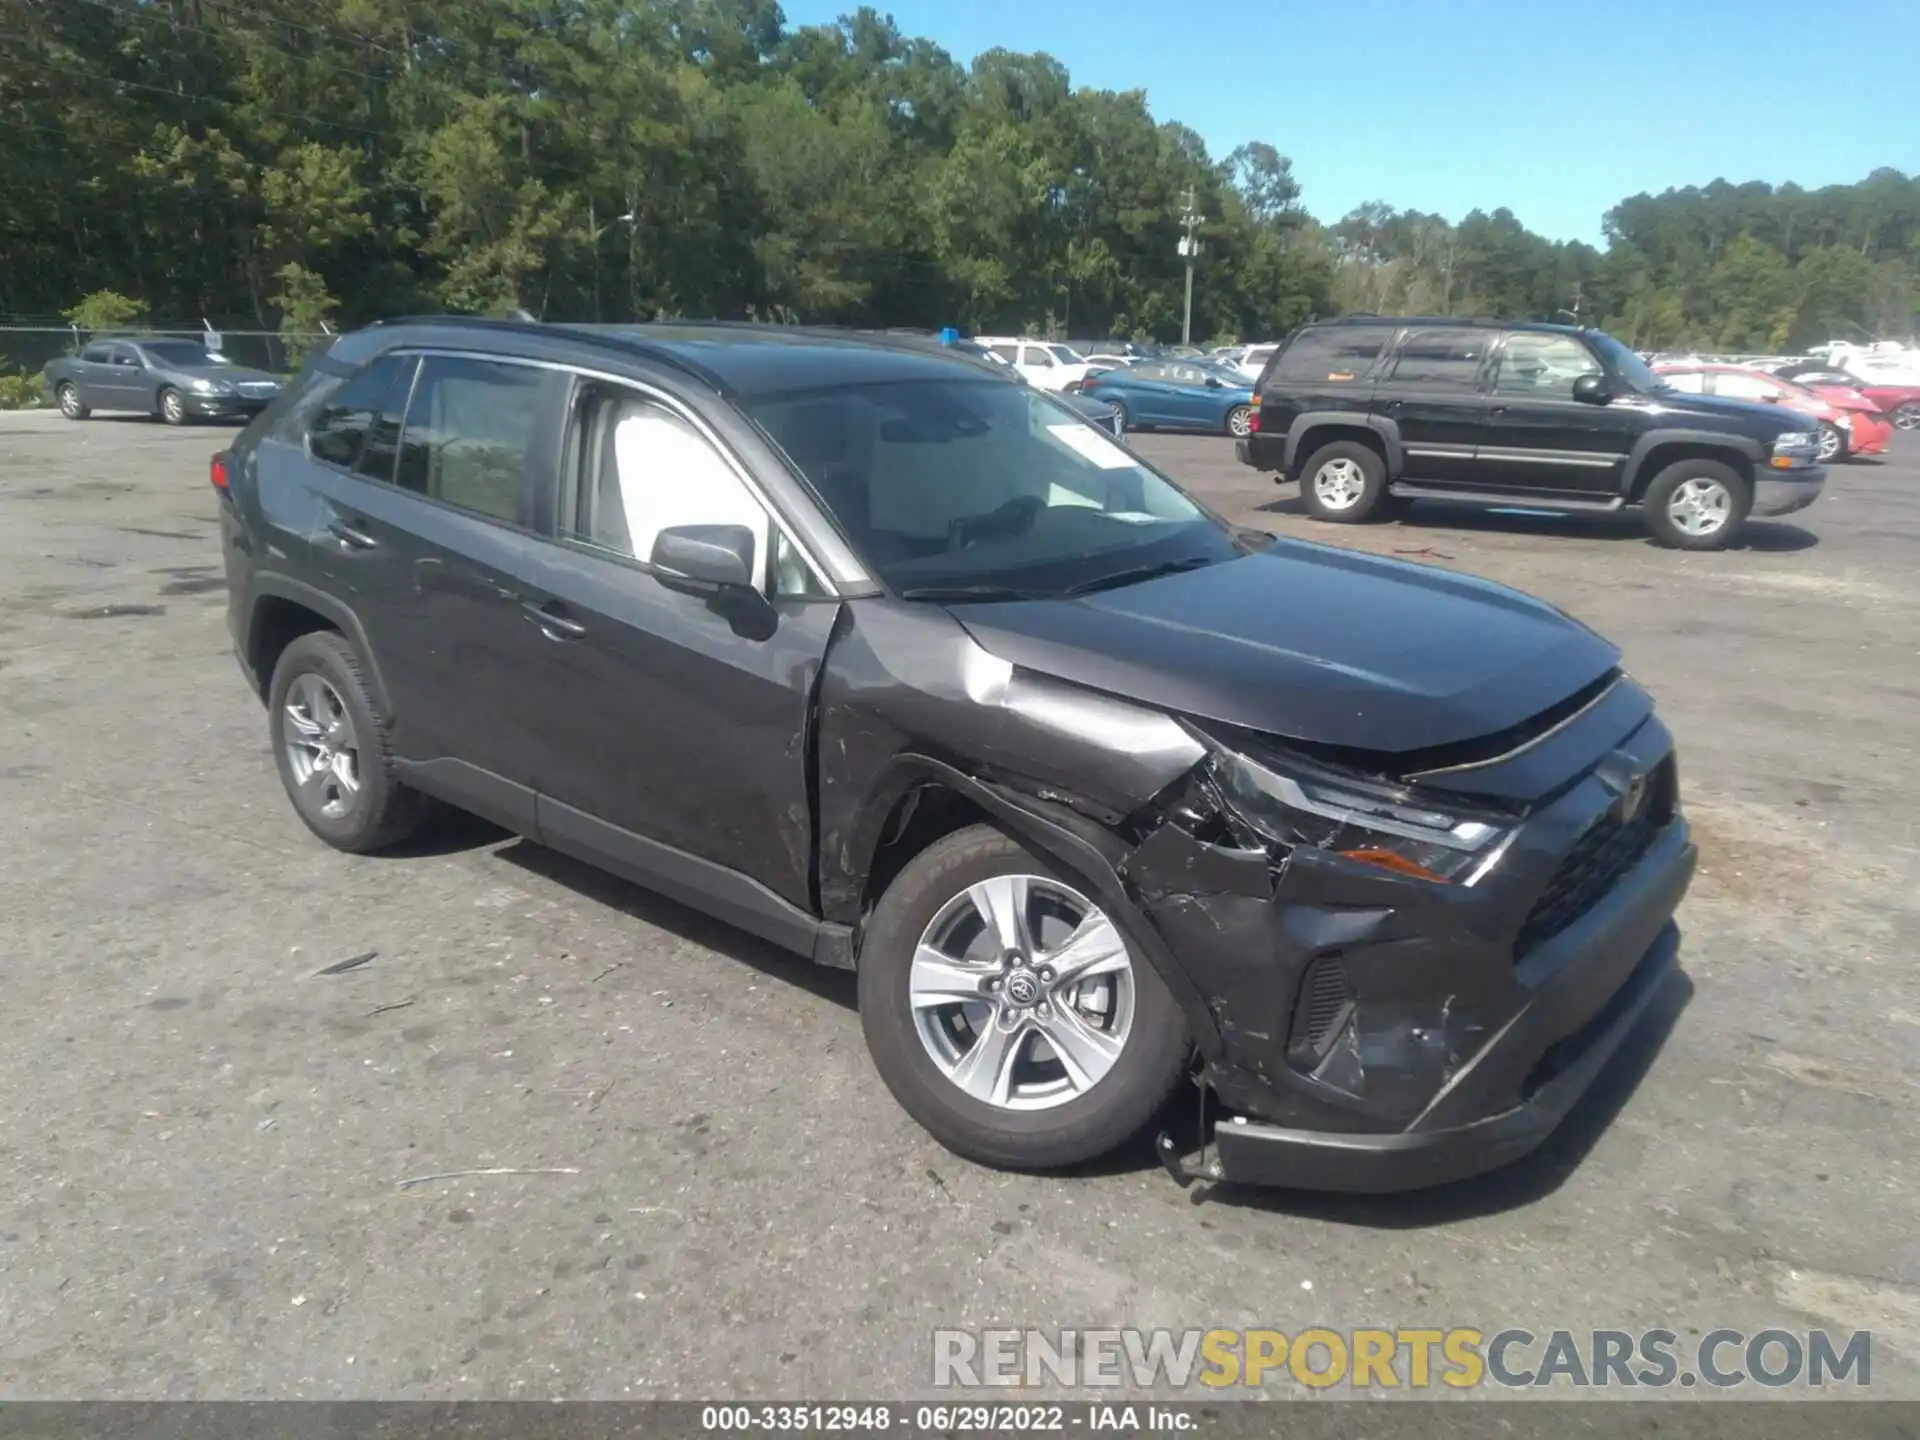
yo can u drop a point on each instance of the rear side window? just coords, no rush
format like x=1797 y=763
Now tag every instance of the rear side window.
x=1687 y=382
x=1448 y=359
x=1008 y=353
x=1337 y=354
x=1745 y=387
x=469 y=427
x=339 y=428
x=97 y=354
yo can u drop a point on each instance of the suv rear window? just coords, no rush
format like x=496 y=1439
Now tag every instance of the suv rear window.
x=1337 y=353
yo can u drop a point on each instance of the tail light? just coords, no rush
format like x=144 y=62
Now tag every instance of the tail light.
x=1253 y=419
x=217 y=471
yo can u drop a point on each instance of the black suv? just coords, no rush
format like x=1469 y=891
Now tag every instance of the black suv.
x=905 y=666
x=1364 y=409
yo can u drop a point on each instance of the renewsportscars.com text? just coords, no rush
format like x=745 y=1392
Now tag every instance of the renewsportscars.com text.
x=1372 y=1360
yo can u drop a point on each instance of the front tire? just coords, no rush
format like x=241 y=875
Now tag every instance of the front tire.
x=1697 y=505
x=1120 y=416
x=173 y=407
x=330 y=743
x=1833 y=444
x=1240 y=421
x=1343 y=482
x=71 y=405
x=1008 y=1013
x=1907 y=416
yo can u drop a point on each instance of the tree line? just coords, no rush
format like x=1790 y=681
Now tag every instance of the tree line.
x=301 y=161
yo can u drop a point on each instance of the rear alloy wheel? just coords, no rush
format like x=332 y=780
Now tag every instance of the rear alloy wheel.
x=1697 y=505
x=1907 y=416
x=173 y=407
x=1343 y=482
x=1240 y=421
x=1120 y=420
x=331 y=746
x=1007 y=1012
x=71 y=405
x=1833 y=444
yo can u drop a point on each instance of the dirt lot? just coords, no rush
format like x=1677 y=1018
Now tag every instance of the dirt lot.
x=203 y=1137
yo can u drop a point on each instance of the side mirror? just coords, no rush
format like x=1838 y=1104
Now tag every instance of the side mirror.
x=1772 y=397
x=1213 y=383
x=704 y=559
x=1591 y=390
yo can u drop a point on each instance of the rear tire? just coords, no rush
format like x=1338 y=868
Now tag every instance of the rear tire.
x=1833 y=444
x=1031 y=1112
x=173 y=407
x=1120 y=416
x=1697 y=505
x=1907 y=416
x=1240 y=421
x=330 y=743
x=71 y=405
x=1343 y=482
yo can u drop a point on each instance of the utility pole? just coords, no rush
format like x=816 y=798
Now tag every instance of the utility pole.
x=1189 y=247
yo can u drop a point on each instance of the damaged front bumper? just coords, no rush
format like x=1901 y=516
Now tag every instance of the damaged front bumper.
x=1382 y=1033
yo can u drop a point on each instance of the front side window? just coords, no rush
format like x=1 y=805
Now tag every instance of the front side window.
x=1542 y=366
x=97 y=355
x=1686 y=382
x=469 y=427
x=1441 y=359
x=1008 y=353
x=966 y=489
x=339 y=428
x=1037 y=355
x=646 y=469
x=1066 y=355
x=184 y=355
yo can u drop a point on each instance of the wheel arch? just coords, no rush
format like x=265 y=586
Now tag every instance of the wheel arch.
x=1080 y=847
x=1657 y=449
x=1314 y=429
x=281 y=610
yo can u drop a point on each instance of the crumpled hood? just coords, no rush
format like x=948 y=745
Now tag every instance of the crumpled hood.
x=1313 y=644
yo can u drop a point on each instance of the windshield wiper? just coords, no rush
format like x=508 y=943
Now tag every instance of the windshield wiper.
x=1138 y=573
x=971 y=592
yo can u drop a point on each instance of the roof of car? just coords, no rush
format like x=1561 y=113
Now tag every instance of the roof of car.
x=1458 y=322
x=747 y=359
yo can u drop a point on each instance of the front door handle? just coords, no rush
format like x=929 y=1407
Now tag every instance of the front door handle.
x=351 y=535
x=553 y=624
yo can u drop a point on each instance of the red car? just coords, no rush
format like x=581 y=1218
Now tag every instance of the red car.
x=1850 y=424
x=1900 y=403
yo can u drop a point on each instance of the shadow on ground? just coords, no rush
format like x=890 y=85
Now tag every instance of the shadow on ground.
x=1763 y=537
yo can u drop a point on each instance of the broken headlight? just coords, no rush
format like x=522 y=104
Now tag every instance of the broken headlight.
x=1372 y=824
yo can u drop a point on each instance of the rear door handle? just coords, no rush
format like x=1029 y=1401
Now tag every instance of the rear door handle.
x=351 y=535
x=553 y=624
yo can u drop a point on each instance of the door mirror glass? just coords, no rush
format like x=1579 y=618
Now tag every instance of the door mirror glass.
x=1591 y=390
x=1213 y=384
x=710 y=557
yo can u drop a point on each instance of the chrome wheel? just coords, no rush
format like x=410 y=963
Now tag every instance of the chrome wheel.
x=1907 y=417
x=1339 y=484
x=1700 y=506
x=1022 y=992
x=69 y=402
x=323 y=751
x=1240 y=422
x=172 y=408
x=1830 y=442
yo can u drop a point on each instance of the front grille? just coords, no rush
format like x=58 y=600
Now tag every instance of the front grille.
x=1608 y=849
x=1326 y=1000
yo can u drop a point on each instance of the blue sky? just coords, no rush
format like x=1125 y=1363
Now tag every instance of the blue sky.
x=1552 y=108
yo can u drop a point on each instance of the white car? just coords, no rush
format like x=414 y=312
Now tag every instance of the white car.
x=1254 y=359
x=1046 y=364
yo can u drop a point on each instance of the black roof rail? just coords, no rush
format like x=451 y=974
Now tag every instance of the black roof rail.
x=613 y=336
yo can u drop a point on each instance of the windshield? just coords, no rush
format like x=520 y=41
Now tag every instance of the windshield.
x=1066 y=355
x=1625 y=364
x=183 y=354
x=974 y=489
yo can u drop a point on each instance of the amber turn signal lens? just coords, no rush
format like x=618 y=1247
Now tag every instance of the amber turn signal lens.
x=1399 y=864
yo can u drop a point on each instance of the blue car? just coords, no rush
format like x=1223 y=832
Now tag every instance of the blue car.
x=1177 y=395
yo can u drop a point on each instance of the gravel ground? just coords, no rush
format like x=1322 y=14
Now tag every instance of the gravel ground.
x=203 y=1137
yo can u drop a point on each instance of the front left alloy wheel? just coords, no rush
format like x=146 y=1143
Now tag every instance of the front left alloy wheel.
x=1008 y=1013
